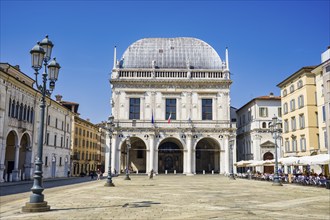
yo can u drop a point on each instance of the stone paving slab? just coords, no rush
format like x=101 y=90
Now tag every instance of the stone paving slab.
x=176 y=197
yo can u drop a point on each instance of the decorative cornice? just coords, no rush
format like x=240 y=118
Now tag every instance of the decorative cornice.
x=171 y=83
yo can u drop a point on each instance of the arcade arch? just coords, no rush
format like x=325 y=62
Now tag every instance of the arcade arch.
x=207 y=156
x=137 y=156
x=170 y=156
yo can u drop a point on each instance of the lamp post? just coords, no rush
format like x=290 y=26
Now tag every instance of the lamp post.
x=110 y=125
x=128 y=146
x=275 y=129
x=231 y=146
x=41 y=55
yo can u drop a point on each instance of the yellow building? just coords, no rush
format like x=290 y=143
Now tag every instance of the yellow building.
x=87 y=143
x=300 y=114
x=86 y=153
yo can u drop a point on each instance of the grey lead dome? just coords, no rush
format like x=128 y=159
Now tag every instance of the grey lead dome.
x=168 y=53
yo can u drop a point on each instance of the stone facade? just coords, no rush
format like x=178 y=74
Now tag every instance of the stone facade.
x=254 y=139
x=171 y=99
x=20 y=116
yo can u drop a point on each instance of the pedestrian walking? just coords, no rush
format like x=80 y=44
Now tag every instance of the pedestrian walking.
x=98 y=174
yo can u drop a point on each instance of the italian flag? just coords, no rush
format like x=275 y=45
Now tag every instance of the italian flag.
x=169 y=118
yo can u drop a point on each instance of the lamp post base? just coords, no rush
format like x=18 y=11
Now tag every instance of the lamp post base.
x=109 y=184
x=36 y=207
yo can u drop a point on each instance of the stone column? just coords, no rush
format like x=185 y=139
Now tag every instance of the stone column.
x=113 y=154
x=15 y=171
x=117 y=155
x=28 y=164
x=234 y=155
x=227 y=152
x=2 y=160
x=189 y=154
x=152 y=152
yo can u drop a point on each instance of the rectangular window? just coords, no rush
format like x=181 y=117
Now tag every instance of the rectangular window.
x=47 y=139
x=46 y=161
x=286 y=126
x=292 y=105
x=301 y=101
x=170 y=109
x=326 y=139
x=55 y=137
x=323 y=113
x=279 y=112
x=318 y=141
x=61 y=141
x=302 y=143
x=60 y=161
x=287 y=145
x=294 y=144
x=301 y=121
x=56 y=123
x=207 y=109
x=263 y=112
x=285 y=108
x=293 y=123
x=134 y=108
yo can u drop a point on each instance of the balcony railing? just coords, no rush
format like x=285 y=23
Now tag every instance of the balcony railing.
x=175 y=124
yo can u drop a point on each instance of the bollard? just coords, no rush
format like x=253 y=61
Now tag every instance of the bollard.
x=165 y=171
x=212 y=172
x=10 y=177
x=174 y=171
x=137 y=171
x=203 y=171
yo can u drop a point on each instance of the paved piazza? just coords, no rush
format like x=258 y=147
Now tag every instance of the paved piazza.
x=176 y=197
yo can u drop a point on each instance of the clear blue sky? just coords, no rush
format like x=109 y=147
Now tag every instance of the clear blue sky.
x=267 y=40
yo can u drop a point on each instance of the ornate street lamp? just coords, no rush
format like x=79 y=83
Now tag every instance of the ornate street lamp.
x=110 y=126
x=275 y=129
x=128 y=146
x=41 y=54
x=231 y=146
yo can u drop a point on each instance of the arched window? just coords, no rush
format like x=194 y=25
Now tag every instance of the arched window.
x=24 y=113
x=20 y=117
x=17 y=110
x=299 y=84
x=32 y=115
x=13 y=109
x=9 y=107
x=264 y=125
x=28 y=114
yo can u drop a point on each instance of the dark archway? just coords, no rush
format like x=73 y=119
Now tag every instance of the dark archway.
x=170 y=156
x=11 y=142
x=137 y=156
x=207 y=156
x=268 y=156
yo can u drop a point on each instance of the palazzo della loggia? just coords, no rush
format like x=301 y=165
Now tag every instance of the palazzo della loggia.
x=171 y=100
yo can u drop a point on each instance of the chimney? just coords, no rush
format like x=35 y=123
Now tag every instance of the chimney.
x=271 y=94
x=58 y=98
x=88 y=120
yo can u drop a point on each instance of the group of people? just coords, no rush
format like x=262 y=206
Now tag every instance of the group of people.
x=298 y=177
x=98 y=173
